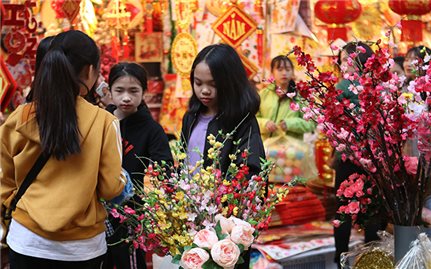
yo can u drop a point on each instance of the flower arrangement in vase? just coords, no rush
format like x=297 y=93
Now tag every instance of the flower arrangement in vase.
x=373 y=133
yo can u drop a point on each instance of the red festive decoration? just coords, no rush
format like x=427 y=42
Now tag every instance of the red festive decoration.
x=259 y=34
x=412 y=27
x=337 y=13
x=234 y=26
x=7 y=85
x=66 y=8
x=71 y=9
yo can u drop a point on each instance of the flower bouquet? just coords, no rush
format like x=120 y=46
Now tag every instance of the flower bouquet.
x=373 y=133
x=202 y=217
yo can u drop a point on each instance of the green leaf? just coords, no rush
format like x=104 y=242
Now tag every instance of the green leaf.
x=241 y=247
x=222 y=236
x=176 y=259
x=218 y=230
x=240 y=260
x=210 y=264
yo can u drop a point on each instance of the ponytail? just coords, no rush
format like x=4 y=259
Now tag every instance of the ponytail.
x=56 y=89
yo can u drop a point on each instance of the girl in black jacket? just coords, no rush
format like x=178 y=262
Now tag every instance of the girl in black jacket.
x=223 y=99
x=143 y=140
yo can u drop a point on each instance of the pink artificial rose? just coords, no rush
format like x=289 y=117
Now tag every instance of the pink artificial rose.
x=238 y=221
x=353 y=207
x=336 y=223
x=349 y=192
x=242 y=234
x=225 y=253
x=225 y=224
x=194 y=258
x=205 y=238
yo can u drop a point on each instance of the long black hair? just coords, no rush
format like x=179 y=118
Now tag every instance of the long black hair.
x=134 y=70
x=362 y=58
x=56 y=88
x=42 y=49
x=236 y=96
x=420 y=52
x=280 y=60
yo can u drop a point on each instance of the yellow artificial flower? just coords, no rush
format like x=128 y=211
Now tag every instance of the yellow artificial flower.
x=182 y=156
x=224 y=198
x=224 y=211
x=165 y=225
x=226 y=183
x=218 y=145
x=235 y=211
x=408 y=96
x=232 y=157
x=179 y=195
x=211 y=139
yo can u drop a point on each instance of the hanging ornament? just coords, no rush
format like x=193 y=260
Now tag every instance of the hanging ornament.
x=149 y=10
x=258 y=8
x=183 y=52
x=66 y=9
x=412 y=26
x=184 y=14
x=259 y=33
x=118 y=20
x=337 y=13
x=71 y=9
x=234 y=26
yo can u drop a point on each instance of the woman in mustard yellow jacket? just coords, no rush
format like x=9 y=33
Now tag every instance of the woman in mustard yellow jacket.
x=59 y=221
x=275 y=114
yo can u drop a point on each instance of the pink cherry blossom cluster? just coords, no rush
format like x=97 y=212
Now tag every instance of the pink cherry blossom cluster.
x=373 y=131
x=360 y=195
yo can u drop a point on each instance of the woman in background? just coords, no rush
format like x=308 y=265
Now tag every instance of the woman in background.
x=275 y=112
x=144 y=142
x=81 y=143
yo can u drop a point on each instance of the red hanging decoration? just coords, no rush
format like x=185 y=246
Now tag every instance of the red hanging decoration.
x=126 y=50
x=337 y=13
x=7 y=87
x=412 y=27
x=149 y=10
x=259 y=33
x=66 y=9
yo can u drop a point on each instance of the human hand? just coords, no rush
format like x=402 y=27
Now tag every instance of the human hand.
x=270 y=126
x=283 y=125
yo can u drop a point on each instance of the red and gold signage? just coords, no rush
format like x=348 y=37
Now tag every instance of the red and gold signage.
x=183 y=52
x=7 y=85
x=250 y=68
x=234 y=26
x=20 y=27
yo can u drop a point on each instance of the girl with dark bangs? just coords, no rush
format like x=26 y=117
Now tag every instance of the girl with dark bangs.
x=223 y=99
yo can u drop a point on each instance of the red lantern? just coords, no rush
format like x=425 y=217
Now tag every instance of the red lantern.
x=336 y=13
x=412 y=27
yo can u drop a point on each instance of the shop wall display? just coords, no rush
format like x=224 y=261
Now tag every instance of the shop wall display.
x=147 y=47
